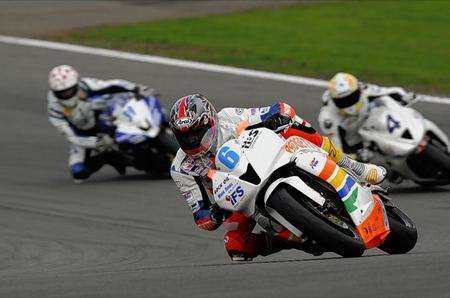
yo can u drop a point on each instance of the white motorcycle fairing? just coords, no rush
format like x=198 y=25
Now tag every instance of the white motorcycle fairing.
x=397 y=132
x=244 y=166
x=136 y=121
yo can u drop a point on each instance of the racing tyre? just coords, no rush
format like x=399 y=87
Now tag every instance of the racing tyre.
x=403 y=235
x=343 y=240
x=433 y=161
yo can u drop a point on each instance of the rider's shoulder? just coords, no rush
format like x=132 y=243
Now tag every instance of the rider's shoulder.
x=326 y=97
x=177 y=163
x=52 y=101
x=231 y=111
x=88 y=83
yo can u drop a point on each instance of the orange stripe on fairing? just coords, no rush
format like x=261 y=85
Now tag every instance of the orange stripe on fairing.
x=328 y=169
x=338 y=179
x=373 y=231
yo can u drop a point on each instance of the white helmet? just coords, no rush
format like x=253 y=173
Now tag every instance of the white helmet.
x=345 y=92
x=63 y=81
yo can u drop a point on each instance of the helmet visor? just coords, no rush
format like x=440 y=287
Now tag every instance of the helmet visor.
x=66 y=93
x=196 y=140
x=347 y=101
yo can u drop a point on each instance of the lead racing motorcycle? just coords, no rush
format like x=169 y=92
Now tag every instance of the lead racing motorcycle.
x=291 y=181
x=408 y=145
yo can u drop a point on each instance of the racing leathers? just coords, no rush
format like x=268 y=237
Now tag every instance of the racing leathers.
x=190 y=176
x=83 y=128
x=342 y=129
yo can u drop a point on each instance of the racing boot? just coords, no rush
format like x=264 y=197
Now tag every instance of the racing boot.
x=365 y=172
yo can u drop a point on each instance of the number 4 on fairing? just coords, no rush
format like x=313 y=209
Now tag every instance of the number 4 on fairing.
x=392 y=124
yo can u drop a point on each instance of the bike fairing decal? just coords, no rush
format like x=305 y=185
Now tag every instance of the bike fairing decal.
x=130 y=138
x=250 y=140
x=228 y=157
x=343 y=183
x=314 y=162
x=295 y=143
x=392 y=124
x=235 y=196
x=371 y=226
x=350 y=202
x=129 y=113
x=346 y=188
x=231 y=192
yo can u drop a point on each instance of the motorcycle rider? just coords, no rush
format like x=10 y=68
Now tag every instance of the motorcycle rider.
x=200 y=130
x=346 y=105
x=74 y=108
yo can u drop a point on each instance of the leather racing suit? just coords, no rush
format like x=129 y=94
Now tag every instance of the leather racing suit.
x=82 y=124
x=190 y=176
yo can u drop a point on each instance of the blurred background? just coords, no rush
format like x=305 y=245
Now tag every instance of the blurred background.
x=390 y=42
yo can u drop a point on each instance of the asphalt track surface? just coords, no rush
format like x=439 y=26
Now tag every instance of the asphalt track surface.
x=134 y=236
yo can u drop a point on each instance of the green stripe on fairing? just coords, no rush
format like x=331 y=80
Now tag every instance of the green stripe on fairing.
x=350 y=202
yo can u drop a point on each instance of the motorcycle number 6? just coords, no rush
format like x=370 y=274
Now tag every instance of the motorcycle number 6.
x=228 y=157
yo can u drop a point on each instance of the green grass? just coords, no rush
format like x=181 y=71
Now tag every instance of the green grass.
x=394 y=42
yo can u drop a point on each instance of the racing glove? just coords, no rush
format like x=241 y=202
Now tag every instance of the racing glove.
x=210 y=219
x=279 y=117
x=143 y=91
x=104 y=143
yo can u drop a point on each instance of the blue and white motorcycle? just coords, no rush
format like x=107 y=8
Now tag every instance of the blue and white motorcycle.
x=142 y=135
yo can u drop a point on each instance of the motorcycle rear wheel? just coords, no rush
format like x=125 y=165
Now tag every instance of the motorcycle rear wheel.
x=344 y=241
x=435 y=156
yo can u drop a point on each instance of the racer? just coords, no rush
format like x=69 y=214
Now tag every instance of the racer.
x=200 y=130
x=346 y=105
x=74 y=108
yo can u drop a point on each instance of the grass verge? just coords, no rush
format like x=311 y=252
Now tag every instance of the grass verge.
x=388 y=42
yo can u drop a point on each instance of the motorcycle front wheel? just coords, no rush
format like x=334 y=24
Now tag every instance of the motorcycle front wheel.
x=403 y=235
x=329 y=230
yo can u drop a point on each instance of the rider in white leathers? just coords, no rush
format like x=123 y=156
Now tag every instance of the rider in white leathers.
x=346 y=104
x=74 y=107
x=200 y=131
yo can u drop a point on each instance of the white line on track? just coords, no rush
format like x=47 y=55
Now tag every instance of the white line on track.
x=184 y=64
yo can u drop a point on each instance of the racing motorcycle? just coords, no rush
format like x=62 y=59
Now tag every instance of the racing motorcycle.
x=290 y=181
x=142 y=134
x=408 y=145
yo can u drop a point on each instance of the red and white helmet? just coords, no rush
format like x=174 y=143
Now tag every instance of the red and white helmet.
x=193 y=120
x=63 y=81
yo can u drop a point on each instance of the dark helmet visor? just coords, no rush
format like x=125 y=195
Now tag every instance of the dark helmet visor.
x=347 y=101
x=66 y=93
x=191 y=139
